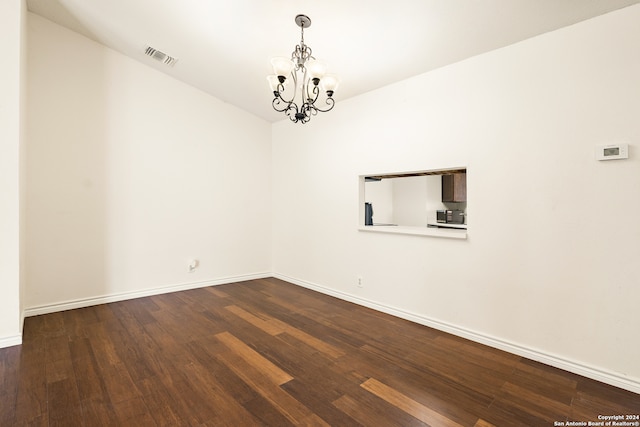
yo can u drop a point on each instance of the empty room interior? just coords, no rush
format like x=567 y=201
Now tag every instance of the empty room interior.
x=447 y=237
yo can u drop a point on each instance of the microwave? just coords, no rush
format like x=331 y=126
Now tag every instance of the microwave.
x=450 y=216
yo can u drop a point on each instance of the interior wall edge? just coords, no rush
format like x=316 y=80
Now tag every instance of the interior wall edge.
x=105 y=299
x=576 y=367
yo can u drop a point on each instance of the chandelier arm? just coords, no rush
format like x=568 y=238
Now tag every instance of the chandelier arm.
x=279 y=103
x=315 y=91
x=306 y=112
x=330 y=102
x=292 y=113
x=280 y=90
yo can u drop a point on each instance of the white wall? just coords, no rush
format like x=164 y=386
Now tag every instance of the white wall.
x=410 y=201
x=550 y=269
x=380 y=195
x=11 y=102
x=131 y=174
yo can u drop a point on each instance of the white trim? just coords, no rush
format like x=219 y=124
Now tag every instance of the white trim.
x=602 y=375
x=10 y=341
x=104 y=299
x=449 y=233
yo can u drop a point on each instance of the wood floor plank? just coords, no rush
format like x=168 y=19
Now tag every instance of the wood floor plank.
x=217 y=292
x=103 y=345
x=194 y=409
x=407 y=404
x=161 y=336
x=322 y=346
x=267 y=352
x=274 y=326
x=100 y=412
x=31 y=392
x=64 y=404
x=225 y=408
x=504 y=413
x=76 y=322
x=541 y=406
x=119 y=385
x=43 y=326
x=9 y=385
x=269 y=327
x=263 y=365
x=57 y=348
x=483 y=423
x=610 y=398
x=161 y=402
x=203 y=299
x=204 y=352
x=475 y=354
x=483 y=383
x=265 y=385
x=454 y=400
x=319 y=394
x=545 y=382
x=368 y=412
x=430 y=379
x=174 y=321
x=90 y=379
x=266 y=413
x=134 y=412
x=587 y=406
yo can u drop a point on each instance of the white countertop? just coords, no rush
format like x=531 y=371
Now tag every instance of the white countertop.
x=447 y=225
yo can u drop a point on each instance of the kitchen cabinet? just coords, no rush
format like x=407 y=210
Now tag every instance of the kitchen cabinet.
x=454 y=187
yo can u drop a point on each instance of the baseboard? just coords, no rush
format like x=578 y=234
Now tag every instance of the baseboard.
x=10 y=341
x=597 y=374
x=104 y=299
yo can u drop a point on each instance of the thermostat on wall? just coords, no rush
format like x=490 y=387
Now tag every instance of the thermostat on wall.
x=612 y=152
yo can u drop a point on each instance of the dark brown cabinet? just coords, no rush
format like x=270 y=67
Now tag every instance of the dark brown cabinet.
x=454 y=187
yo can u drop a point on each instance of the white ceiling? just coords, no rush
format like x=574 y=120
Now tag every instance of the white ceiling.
x=224 y=47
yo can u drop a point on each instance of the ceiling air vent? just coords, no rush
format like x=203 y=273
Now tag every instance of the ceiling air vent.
x=160 y=56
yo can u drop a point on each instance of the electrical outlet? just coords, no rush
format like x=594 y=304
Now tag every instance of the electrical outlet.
x=360 y=282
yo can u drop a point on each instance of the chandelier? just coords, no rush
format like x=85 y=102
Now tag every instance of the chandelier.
x=307 y=75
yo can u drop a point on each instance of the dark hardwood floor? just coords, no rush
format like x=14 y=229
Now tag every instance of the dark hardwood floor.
x=267 y=352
